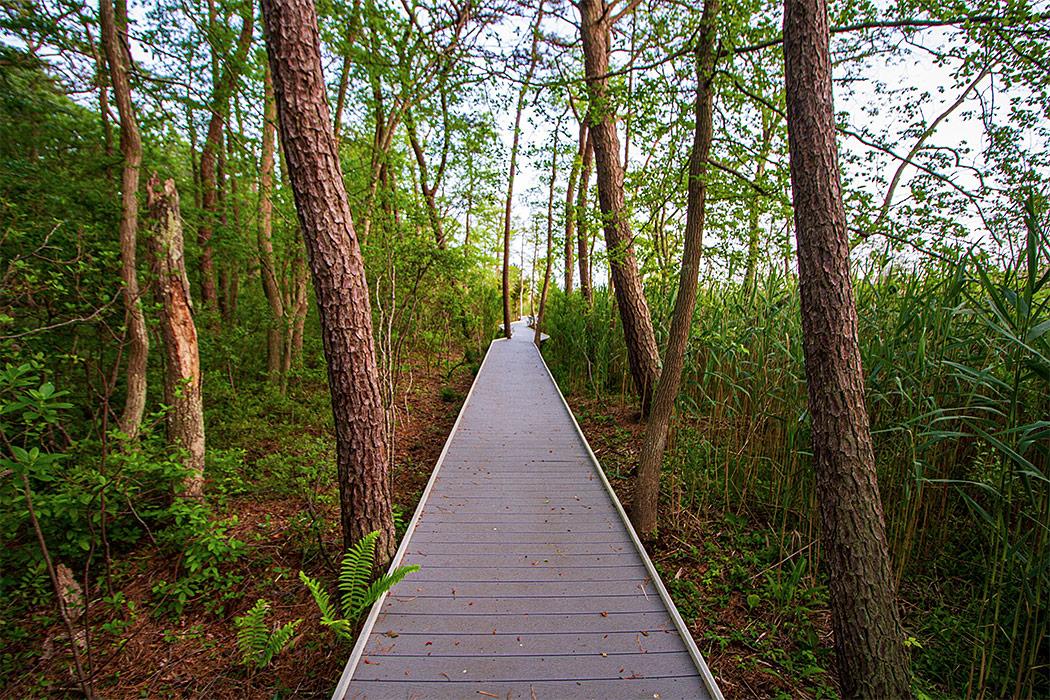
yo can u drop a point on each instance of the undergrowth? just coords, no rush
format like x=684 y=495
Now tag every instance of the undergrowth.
x=957 y=361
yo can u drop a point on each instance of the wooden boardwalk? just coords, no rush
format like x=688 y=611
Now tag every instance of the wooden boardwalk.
x=533 y=584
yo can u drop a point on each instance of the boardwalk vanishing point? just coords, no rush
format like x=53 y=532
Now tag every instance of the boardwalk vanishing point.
x=533 y=584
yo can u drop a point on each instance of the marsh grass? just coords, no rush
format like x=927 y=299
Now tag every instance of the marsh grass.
x=958 y=380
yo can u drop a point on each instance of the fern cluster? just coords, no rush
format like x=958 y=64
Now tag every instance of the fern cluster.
x=257 y=643
x=356 y=589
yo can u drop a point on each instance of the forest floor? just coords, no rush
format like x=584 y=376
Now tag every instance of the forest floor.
x=763 y=636
x=273 y=490
x=279 y=500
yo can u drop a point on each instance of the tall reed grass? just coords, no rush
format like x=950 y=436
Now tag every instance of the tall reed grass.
x=958 y=378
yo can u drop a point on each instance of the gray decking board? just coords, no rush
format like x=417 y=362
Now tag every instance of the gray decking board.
x=532 y=583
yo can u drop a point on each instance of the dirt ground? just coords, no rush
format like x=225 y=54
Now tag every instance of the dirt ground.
x=710 y=569
x=143 y=653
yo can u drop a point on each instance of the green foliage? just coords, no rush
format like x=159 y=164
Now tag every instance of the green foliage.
x=955 y=350
x=330 y=617
x=207 y=550
x=956 y=359
x=256 y=641
x=586 y=348
x=79 y=494
x=400 y=524
x=450 y=395
x=356 y=588
x=73 y=489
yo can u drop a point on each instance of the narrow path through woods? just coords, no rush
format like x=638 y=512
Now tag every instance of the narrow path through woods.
x=533 y=584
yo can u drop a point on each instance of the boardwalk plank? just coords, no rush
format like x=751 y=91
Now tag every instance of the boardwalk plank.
x=516 y=668
x=461 y=605
x=571 y=546
x=687 y=688
x=531 y=585
x=466 y=623
x=620 y=643
x=528 y=589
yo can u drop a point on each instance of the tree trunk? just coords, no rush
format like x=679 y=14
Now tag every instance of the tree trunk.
x=300 y=277
x=102 y=84
x=570 y=211
x=628 y=118
x=131 y=149
x=522 y=94
x=470 y=209
x=182 y=380
x=206 y=229
x=647 y=482
x=872 y=661
x=532 y=275
x=429 y=190
x=194 y=164
x=233 y=293
x=305 y=124
x=521 y=279
x=643 y=356
x=754 y=230
x=550 y=238
x=220 y=212
x=353 y=27
x=229 y=280
x=582 y=231
x=275 y=334
x=209 y=155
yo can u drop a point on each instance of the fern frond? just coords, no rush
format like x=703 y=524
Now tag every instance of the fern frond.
x=343 y=628
x=356 y=594
x=356 y=572
x=252 y=635
x=320 y=596
x=380 y=586
x=278 y=641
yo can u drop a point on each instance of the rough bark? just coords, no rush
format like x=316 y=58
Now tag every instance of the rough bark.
x=582 y=229
x=643 y=356
x=647 y=481
x=131 y=149
x=305 y=124
x=872 y=661
x=522 y=95
x=223 y=88
x=275 y=333
x=182 y=378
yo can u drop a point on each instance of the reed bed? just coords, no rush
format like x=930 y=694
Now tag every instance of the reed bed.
x=958 y=378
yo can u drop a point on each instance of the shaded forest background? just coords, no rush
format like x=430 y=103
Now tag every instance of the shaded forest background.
x=945 y=185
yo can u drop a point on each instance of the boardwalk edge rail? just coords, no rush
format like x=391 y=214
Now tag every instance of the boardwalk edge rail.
x=683 y=630
x=672 y=610
x=366 y=630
